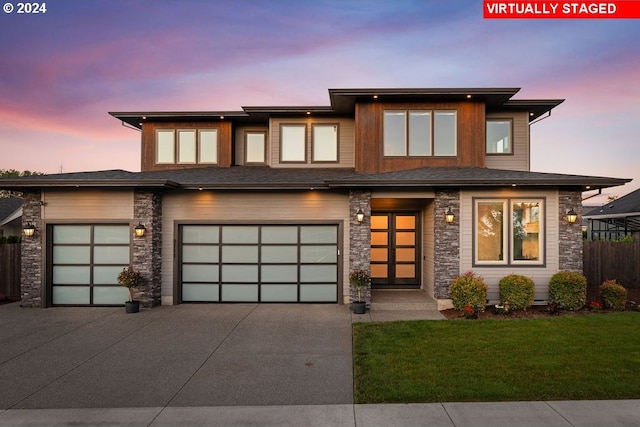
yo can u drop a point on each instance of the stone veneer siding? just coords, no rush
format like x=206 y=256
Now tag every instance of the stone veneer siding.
x=447 y=243
x=31 y=287
x=147 y=250
x=360 y=237
x=570 y=235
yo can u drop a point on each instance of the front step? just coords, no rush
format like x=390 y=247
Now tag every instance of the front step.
x=402 y=300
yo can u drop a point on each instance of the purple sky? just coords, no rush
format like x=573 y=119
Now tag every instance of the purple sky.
x=62 y=71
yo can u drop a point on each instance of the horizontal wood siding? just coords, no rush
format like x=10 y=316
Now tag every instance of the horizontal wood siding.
x=491 y=274
x=520 y=159
x=94 y=205
x=428 y=239
x=148 y=157
x=346 y=142
x=212 y=207
x=369 y=137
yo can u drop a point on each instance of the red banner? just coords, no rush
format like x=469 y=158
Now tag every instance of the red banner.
x=545 y=9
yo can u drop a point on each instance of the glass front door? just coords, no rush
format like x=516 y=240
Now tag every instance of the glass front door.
x=395 y=247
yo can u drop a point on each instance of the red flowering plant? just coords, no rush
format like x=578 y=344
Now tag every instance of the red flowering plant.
x=595 y=306
x=469 y=312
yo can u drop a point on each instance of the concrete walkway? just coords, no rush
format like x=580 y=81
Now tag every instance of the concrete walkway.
x=227 y=365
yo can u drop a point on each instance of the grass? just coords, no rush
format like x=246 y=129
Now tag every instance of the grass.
x=560 y=358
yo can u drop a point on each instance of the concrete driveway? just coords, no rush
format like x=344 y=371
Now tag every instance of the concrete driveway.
x=187 y=355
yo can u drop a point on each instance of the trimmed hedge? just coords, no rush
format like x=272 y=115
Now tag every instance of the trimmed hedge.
x=613 y=295
x=468 y=289
x=568 y=290
x=516 y=292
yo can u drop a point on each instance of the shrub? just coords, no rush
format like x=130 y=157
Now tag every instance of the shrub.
x=516 y=292
x=468 y=290
x=568 y=290
x=613 y=295
x=13 y=239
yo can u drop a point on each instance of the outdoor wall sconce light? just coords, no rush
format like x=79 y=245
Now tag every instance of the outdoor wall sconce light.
x=360 y=215
x=140 y=230
x=572 y=216
x=449 y=216
x=29 y=230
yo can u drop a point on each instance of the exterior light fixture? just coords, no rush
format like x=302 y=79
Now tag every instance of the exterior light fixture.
x=140 y=230
x=449 y=216
x=29 y=230
x=572 y=216
x=360 y=215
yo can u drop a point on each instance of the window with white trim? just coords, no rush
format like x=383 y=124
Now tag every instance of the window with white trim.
x=293 y=143
x=508 y=231
x=255 y=147
x=187 y=146
x=420 y=133
x=325 y=142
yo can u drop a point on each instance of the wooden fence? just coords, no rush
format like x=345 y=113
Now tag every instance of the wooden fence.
x=605 y=260
x=10 y=269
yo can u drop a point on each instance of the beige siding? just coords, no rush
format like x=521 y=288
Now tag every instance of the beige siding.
x=211 y=207
x=492 y=275
x=346 y=143
x=428 y=239
x=82 y=205
x=239 y=143
x=520 y=159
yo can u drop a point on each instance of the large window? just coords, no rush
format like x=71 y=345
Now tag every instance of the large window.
x=255 y=147
x=419 y=133
x=293 y=143
x=186 y=146
x=325 y=142
x=499 y=137
x=509 y=231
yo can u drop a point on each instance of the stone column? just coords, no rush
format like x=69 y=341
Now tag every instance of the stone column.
x=147 y=250
x=359 y=237
x=31 y=286
x=447 y=242
x=570 y=235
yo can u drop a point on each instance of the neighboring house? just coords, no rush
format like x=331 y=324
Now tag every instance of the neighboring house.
x=10 y=216
x=279 y=204
x=616 y=219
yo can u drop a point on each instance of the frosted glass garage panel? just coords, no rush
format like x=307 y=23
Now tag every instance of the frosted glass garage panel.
x=318 y=234
x=279 y=273
x=111 y=255
x=318 y=273
x=279 y=254
x=200 y=234
x=201 y=292
x=71 y=255
x=239 y=293
x=279 y=293
x=240 y=234
x=110 y=295
x=71 y=275
x=240 y=254
x=200 y=273
x=111 y=234
x=71 y=295
x=280 y=234
x=106 y=275
x=318 y=254
x=200 y=254
x=318 y=293
x=63 y=234
x=240 y=273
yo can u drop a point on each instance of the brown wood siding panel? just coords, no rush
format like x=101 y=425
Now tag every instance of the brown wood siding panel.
x=148 y=158
x=520 y=159
x=369 y=139
x=10 y=270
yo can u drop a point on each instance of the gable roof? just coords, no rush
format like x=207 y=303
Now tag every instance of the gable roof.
x=263 y=177
x=9 y=208
x=628 y=205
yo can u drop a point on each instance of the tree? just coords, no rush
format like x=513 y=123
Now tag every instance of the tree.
x=12 y=173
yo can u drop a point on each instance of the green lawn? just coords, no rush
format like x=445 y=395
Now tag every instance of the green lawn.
x=573 y=357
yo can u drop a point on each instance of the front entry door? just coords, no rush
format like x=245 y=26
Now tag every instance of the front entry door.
x=395 y=250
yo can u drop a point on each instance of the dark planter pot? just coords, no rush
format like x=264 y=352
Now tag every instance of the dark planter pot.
x=359 y=307
x=132 y=306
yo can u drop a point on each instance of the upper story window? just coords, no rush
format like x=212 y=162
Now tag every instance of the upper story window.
x=419 y=133
x=324 y=143
x=255 y=147
x=186 y=146
x=499 y=137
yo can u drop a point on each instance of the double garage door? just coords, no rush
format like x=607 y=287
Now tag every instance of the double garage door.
x=258 y=263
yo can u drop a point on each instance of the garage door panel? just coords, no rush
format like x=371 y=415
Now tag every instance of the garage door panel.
x=279 y=273
x=71 y=295
x=108 y=295
x=200 y=273
x=239 y=293
x=318 y=293
x=241 y=254
x=200 y=292
x=318 y=273
x=240 y=273
x=279 y=293
x=279 y=254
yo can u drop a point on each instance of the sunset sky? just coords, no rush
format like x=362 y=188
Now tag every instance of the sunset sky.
x=62 y=71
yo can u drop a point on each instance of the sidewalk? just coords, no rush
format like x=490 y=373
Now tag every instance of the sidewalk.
x=611 y=413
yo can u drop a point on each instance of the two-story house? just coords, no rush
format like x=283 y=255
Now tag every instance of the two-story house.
x=279 y=204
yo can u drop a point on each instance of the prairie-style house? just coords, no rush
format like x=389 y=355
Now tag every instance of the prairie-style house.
x=279 y=204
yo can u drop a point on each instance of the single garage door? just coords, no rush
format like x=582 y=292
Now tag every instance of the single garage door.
x=259 y=263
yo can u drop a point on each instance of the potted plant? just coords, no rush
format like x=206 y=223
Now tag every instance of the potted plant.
x=359 y=280
x=131 y=279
